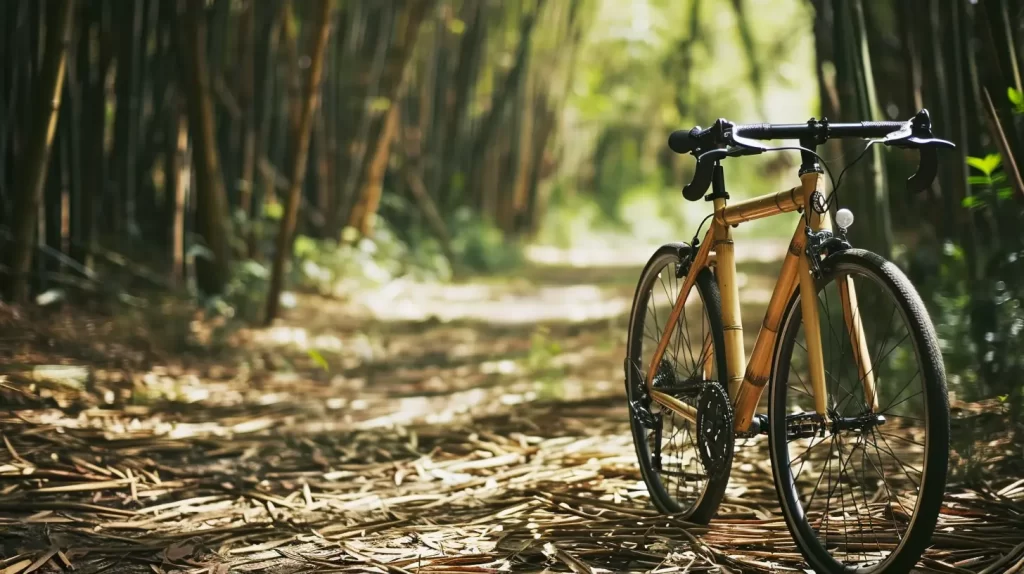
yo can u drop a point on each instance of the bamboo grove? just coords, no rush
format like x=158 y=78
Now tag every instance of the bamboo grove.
x=961 y=241
x=170 y=141
x=190 y=135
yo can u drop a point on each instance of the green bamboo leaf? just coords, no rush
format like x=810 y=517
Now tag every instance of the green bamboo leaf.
x=1016 y=97
x=979 y=180
x=987 y=164
x=318 y=359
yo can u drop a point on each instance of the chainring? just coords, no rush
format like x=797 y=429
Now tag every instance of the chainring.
x=715 y=433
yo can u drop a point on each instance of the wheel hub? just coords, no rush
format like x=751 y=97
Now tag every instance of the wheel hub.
x=809 y=425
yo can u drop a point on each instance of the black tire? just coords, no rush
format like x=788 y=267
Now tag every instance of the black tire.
x=702 y=506
x=866 y=554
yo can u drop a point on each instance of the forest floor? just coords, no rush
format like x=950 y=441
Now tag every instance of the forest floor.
x=424 y=428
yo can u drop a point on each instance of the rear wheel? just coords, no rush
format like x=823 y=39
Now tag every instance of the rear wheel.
x=862 y=491
x=668 y=448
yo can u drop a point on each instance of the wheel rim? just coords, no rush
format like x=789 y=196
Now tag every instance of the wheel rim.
x=855 y=491
x=681 y=476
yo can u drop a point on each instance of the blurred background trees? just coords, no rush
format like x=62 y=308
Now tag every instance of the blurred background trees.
x=231 y=149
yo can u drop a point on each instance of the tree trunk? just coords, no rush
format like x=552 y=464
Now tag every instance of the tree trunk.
x=866 y=194
x=37 y=152
x=211 y=208
x=246 y=93
x=265 y=106
x=299 y=157
x=751 y=52
x=449 y=150
x=175 y=190
x=489 y=124
x=125 y=121
x=372 y=174
x=372 y=81
x=369 y=195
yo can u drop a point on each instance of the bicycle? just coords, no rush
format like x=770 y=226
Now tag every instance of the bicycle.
x=883 y=518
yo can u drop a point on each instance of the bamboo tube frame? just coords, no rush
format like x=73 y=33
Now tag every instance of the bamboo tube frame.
x=813 y=182
x=855 y=328
x=746 y=388
x=760 y=366
x=732 y=323
x=675 y=405
x=698 y=263
x=759 y=207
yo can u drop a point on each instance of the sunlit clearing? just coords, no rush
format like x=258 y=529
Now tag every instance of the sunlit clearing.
x=495 y=304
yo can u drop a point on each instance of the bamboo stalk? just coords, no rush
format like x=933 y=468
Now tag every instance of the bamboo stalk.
x=299 y=158
x=37 y=153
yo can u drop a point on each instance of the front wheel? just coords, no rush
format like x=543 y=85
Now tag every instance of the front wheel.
x=861 y=488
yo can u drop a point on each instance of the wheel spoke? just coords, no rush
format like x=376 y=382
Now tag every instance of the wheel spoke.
x=869 y=499
x=680 y=482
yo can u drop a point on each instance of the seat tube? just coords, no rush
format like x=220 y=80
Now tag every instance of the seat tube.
x=725 y=273
x=813 y=182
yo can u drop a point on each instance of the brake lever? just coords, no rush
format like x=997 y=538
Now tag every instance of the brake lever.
x=917 y=134
x=744 y=146
x=927 y=168
x=701 y=181
x=706 y=161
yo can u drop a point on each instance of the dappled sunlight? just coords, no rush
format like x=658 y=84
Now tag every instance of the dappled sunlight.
x=495 y=304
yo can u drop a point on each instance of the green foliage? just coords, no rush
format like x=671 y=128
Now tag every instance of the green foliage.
x=339 y=269
x=318 y=359
x=986 y=165
x=990 y=187
x=978 y=301
x=481 y=246
x=544 y=350
x=1016 y=98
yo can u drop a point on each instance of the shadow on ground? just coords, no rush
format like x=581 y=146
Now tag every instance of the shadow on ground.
x=470 y=428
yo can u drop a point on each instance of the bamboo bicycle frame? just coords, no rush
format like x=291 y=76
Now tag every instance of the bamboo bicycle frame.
x=746 y=386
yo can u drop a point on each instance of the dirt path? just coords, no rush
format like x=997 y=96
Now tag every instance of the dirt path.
x=464 y=428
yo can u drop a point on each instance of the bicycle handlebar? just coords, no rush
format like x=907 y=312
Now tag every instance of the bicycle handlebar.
x=724 y=139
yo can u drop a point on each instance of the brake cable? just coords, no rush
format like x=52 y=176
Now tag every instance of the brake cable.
x=836 y=182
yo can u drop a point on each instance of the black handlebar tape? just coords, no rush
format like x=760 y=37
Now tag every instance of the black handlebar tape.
x=697 y=187
x=926 y=171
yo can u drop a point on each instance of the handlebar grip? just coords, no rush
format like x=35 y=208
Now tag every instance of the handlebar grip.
x=697 y=187
x=685 y=141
